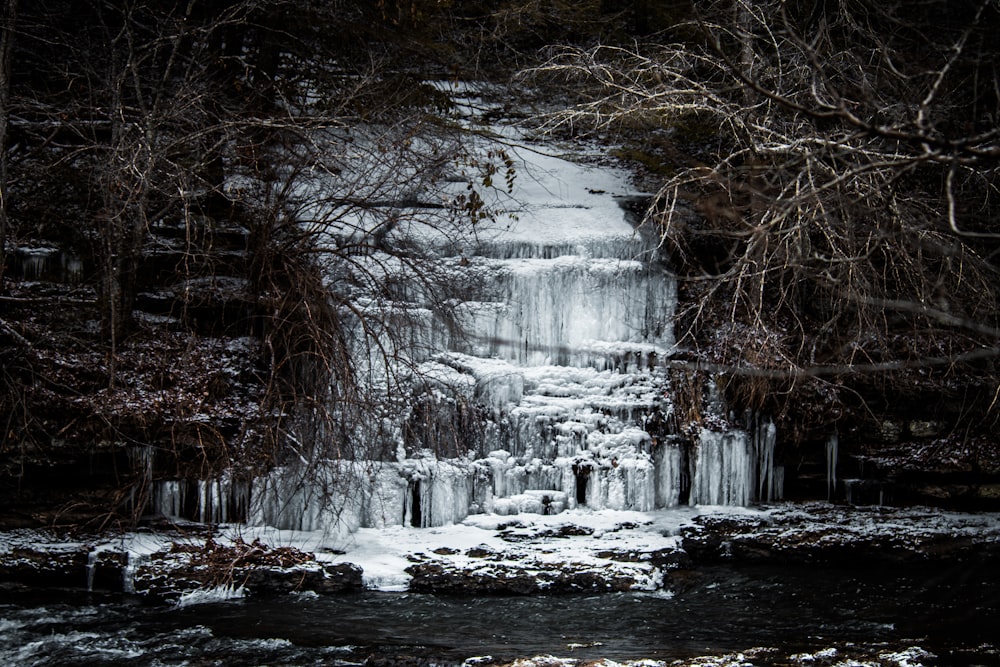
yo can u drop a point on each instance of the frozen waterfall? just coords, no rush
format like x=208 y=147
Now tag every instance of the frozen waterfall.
x=563 y=322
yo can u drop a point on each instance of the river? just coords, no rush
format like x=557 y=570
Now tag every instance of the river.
x=846 y=616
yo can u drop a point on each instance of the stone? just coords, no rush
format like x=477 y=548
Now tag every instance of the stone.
x=926 y=429
x=47 y=568
x=890 y=431
x=988 y=491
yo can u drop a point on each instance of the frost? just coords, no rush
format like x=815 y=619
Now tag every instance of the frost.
x=210 y=595
x=824 y=655
x=911 y=657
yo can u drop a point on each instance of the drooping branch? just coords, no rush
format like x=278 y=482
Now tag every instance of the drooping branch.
x=831 y=199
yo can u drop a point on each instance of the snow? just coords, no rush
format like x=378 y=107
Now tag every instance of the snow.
x=574 y=539
x=520 y=540
x=824 y=655
x=911 y=657
x=210 y=595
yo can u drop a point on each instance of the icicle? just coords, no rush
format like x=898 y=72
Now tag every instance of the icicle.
x=142 y=461
x=446 y=497
x=764 y=445
x=779 y=483
x=128 y=572
x=831 y=466
x=72 y=269
x=722 y=469
x=168 y=498
x=204 y=502
x=91 y=569
x=668 y=460
x=35 y=262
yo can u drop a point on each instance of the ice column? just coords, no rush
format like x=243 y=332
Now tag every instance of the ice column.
x=668 y=461
x=723 y=474
x=832 y=446
x=769 y=486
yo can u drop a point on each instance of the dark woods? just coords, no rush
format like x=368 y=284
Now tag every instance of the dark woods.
x=827 y=177
x=170 y=174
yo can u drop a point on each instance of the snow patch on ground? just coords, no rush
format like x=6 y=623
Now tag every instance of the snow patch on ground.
x=209 y=595
x=576 y=539
x=616 y=543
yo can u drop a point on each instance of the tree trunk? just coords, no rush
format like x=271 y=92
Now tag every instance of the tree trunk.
x=9 y=18
x=745 y=30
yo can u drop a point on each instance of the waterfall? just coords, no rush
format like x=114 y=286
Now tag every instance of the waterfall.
x=563 y=319
x=134 y=562
x=92 y=559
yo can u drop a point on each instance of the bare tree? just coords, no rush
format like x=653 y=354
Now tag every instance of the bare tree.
x=831 y=206
x=8 y=21
x=150 y=132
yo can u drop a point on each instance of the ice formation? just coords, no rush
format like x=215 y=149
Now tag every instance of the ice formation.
x=47 y=264
x=557 y=338
x=832 y=447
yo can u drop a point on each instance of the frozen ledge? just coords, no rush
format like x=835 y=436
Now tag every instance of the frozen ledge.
x=576 y=551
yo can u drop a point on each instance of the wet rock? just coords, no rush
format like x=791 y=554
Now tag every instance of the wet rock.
x=164 y=586
x=500 y=579
x=437 y=578
x=105 y=570
x=480 y=552
x=406 y=661
x=988 y=491
x=568 y=530
x=890 y=431
x=164 y=582
x=517 y=532
x=344 y=577
x=330 y=580
x=825 y=534
x=939 y=492
x=47 y=567
x=669 y=559
x=663 y=559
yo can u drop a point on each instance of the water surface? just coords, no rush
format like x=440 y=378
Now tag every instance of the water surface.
x=951 y=611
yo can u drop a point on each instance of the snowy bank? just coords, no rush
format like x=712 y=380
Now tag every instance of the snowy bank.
x=577 y=550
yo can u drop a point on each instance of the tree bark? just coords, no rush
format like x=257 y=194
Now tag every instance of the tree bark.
x=6 y=46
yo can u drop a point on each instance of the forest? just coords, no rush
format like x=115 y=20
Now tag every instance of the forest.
x=179 y=181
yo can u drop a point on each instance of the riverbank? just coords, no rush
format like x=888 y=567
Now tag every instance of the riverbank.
x=578 y=551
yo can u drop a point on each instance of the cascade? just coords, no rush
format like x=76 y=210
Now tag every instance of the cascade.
x=135 y=560
x=563 y=319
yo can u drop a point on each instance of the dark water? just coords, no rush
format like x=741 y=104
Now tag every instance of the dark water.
x=951 y=611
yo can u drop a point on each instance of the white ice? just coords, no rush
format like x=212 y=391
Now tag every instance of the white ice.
x=564 y=317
